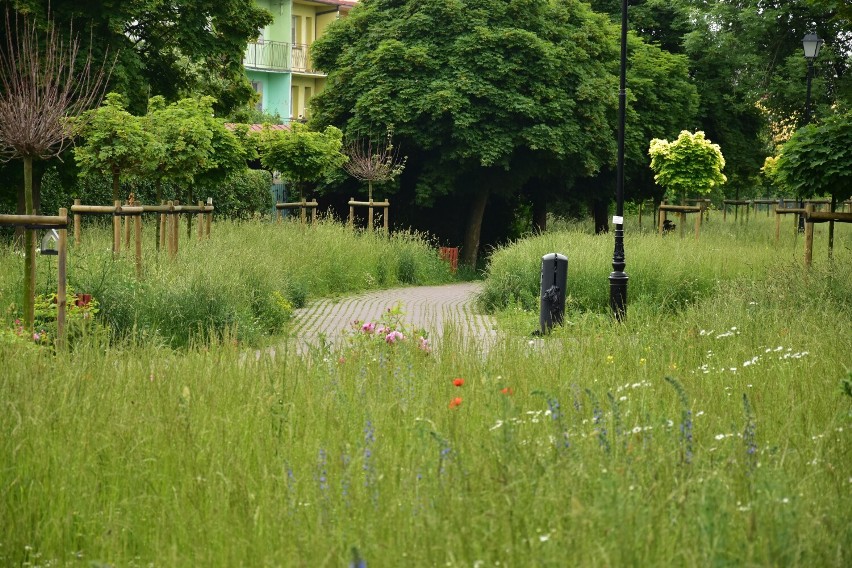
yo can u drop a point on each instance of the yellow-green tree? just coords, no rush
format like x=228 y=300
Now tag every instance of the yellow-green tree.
x=690 y=164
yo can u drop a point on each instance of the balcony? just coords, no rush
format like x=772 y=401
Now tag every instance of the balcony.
x=279 y=56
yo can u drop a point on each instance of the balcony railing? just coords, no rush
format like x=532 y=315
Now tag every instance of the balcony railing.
x=278 y=56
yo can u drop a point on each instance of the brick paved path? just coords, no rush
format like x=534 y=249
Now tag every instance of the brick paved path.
x=434 y=308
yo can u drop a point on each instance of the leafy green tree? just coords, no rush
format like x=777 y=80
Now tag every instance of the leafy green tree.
x=184 y=140
x=301 y=155
x=116 y=142
x=816 y=159
x=690 y=164
x=483 y=95
x=173 y=48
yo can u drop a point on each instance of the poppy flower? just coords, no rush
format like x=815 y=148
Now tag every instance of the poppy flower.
x=507 y=391
x=456 y=402
x=458 y=382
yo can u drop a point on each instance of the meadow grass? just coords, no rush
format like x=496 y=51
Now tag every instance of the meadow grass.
x=245 y=279
x=714 y=433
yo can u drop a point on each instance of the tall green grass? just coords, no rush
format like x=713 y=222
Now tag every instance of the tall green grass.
x=245 y=279
x=666 y=273
x=714 y=434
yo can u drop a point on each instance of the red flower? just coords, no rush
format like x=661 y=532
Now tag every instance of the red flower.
x=507 y=391
x=458 y=382
x=455 y=402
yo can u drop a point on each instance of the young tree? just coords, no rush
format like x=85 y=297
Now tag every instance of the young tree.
x=301 y=155
x=816 y=159
x=116 y=142
x=374 y=162
x=42 y=84
x=690 y=164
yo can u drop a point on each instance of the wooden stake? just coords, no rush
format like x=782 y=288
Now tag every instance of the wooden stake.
x=662 y=220
x=200 y=222
x=77 y=219
x=387 y=221
x=116 y=230
x=209 y=222
x=137 y=225
x=351 y=213
x=61 y=275
x=370 y=217
x=777 y=224
x=809 y=237
x=697 y=225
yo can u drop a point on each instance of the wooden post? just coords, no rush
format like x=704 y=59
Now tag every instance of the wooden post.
x=137 y=226
x=662 y=220
x=77 y=219
x=200 y=221
x=61 y=275
x=127 y=231
x=209 y=222
x=724 y=211
x=314 y=216
x=176 y=231
x=748 y=209
x=387 y=220
x=170 y=239
x=162 y=244
x=697 y=225
x=370 y=217
x=809 y=236
x=681 y=217
x=351 y=213
x=640 y=216
x=777 y=224
x=279 y=215
x=302 y=213
x=116 y=229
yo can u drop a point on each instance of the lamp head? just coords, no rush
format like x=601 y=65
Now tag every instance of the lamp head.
x=812 y=44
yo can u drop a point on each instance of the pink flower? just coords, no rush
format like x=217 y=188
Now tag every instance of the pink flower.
x=424 y=345
x=368 y=327
x=36 y=337
x=394 y=336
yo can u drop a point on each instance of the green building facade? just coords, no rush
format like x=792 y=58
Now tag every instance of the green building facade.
x=278 y=63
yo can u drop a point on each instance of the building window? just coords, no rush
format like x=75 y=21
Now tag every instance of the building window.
x=257 y=86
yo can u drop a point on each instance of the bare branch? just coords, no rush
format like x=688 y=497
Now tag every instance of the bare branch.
x=374 y=162
x=41 y=88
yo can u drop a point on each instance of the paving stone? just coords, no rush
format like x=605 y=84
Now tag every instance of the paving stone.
x=437 y=309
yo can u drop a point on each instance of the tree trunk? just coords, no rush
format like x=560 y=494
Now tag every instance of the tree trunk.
x=600 y=210
x=470 y=248
x=29 y=249
x=115 y=176
x=539 y=213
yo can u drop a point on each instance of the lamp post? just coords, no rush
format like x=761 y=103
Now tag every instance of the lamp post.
x=811 y=44
x=618 y=278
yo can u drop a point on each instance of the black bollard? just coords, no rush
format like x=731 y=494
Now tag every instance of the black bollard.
x=554 y=280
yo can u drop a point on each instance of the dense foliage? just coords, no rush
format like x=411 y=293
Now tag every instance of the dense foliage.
x=816 y=159
x=691 y=164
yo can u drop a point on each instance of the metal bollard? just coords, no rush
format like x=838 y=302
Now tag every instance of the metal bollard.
x=554 y=280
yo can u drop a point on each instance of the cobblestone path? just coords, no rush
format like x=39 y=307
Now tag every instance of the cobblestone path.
x=436 y=309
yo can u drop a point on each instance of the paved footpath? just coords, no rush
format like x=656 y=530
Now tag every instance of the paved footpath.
x=433 y=308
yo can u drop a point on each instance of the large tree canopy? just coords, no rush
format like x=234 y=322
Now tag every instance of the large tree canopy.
x=174 y=48
x=482 y=94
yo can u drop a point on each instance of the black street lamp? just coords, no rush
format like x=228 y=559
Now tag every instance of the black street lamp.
x=811 y=44
x=618 y=278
